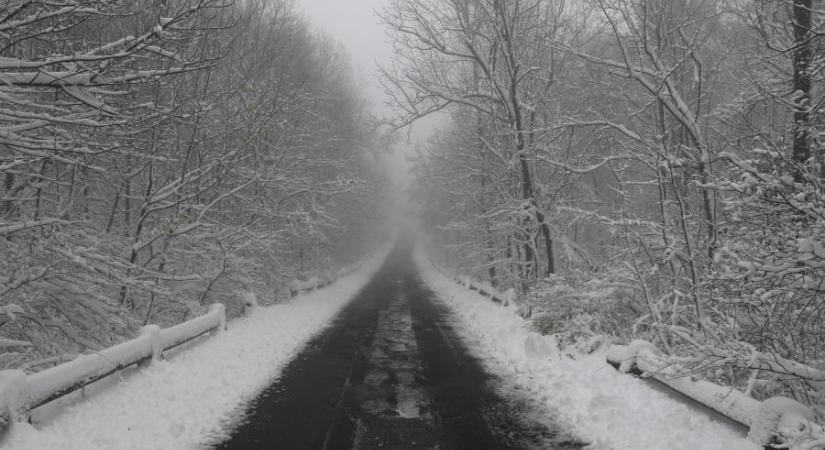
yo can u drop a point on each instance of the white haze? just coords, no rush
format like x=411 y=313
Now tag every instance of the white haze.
x=356 y=25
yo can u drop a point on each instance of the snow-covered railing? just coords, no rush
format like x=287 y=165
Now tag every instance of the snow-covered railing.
x=483 y=291
x=314 y=283
x=20 y=393
x=297 y=286
x=182 y=333
x=777 y=422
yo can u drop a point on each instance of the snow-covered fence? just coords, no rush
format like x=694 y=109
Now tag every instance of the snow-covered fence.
x=777 y=422
x=494 y=296
x=314 y=283
x=20 y=393
x=182 y=333
x=485 y=291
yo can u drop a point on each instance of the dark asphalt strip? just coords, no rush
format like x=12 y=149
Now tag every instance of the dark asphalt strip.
x=304 y=408
x=389 y=373
x=467 y=397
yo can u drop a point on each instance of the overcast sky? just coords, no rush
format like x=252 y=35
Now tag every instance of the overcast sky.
x=356 y=25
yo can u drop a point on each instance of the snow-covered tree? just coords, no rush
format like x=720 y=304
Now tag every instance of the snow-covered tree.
x=157 y=156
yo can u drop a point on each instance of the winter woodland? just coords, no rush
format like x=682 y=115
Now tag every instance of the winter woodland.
x=161 y=155
x=633 y=168
x=627 y=168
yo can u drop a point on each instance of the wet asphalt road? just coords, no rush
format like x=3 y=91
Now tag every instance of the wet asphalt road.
x=390 y=373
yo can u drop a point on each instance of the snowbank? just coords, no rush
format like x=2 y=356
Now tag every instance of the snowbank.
x=297 y=286
x=778 y=421
x=189 y=399
x=20 y=393
x=591 y=399
x=645 y=357
x=788 y=423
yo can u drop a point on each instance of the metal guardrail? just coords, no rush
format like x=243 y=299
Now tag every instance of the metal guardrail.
x=20 y=393
x=492 y=296
x=314 y=283
x=802 y=432
x=728 y=403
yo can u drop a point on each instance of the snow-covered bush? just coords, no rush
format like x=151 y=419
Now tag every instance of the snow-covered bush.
x=577 y=307
x=773 y=263
x=65 y=283
x=771 y=275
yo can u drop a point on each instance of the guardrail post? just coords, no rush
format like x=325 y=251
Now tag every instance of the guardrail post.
x=220 y=310
x=14 y=392
x=152 y=334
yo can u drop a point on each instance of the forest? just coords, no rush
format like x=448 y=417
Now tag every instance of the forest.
x=157 y=156
x=624 y=169
x=632 y=168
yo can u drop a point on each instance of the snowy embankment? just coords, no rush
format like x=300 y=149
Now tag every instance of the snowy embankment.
x=589 y=398
x=192 y=397
x=779 y=422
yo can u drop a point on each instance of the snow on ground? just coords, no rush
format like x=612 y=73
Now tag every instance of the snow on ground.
x=789 y=422
x=592 y=400
x=189 y=399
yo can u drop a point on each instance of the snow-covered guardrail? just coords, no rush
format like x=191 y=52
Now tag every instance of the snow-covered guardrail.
x=506 y=298
x=777 y=422
x=484 y=291
x=20 y=393
x=494 y=296
x=313 y=283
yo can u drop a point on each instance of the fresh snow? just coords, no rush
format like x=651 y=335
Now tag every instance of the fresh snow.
x=647 y=358
x=11 y=310
x=587 y=396
x=40 y=386
x=789 y=422
x=192 y=397
x=308 y=285
x=181 y=332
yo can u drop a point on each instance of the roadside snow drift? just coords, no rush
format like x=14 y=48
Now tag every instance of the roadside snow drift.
x=589 y=398
x=190 y=399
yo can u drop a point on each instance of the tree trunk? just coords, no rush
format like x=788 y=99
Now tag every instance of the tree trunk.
x=7 y=205
x=802 y=61
x=548 y=244
x=39 y=193
x=127 y=207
